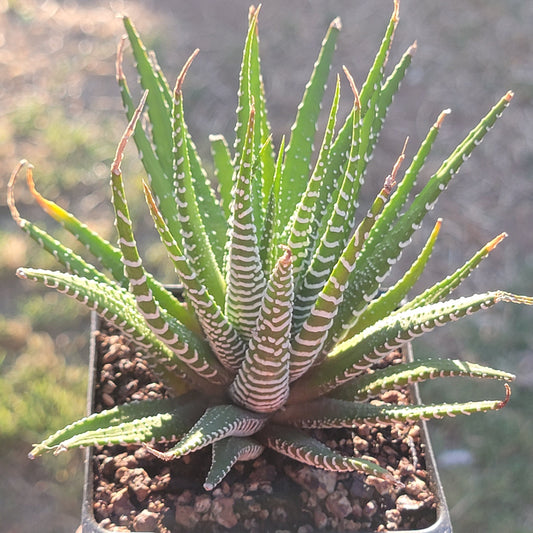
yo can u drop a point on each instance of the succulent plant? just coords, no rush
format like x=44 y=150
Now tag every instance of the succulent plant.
x=285 y=314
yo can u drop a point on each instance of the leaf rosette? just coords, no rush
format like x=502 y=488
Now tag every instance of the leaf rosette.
x=285 y=315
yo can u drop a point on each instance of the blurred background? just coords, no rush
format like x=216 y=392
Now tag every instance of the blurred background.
x=60 y=109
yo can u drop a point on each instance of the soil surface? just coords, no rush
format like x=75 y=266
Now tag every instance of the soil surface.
x=137 y=492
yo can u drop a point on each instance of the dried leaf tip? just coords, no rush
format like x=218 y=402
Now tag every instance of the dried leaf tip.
x=441 y=118
x=390 y=180
x=150 y=197
x=156 y=453
x=413 y=48
x=505 y=401
x=36 y=195
x=286 y=258
x=20 y=273
x=183 y=73
x=336 y=24
x=115 y=167
x=119 y=72
x=497 y=240
x=253 y=13
x=396 y=12
x=357 y=102
x=11 y=191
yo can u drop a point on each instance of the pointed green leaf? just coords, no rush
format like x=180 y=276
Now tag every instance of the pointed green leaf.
x=223 y=170
x=309 y=340
x=118 y=307
x=299 y=150
x=263 y=131
x=226 y=453
x=193 y=232
x=337 y=230
x=158 y=98
x=300 y=446
x=244 y=268
x=383 y=250
x=158 y=161
x=441 y=290
x=392 y=298
x=108 y=255
x=399 y=376
x=251 y=93
x=65 y=256
x=135 y=422
x=262 y=383
x=179 y=339
x=301 y=233
x=375 y=75
x=218 y=422
x=333 y=413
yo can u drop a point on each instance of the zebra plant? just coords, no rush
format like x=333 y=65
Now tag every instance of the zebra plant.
x=284 y=310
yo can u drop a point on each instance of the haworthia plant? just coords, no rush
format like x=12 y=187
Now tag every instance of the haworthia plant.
x=286 y=324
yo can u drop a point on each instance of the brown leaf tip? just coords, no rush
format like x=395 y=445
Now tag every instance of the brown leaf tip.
x=115 y=167
x=286 y=258
x=119 y=72
x=505 y=401
x=497 y=240
x=441 y=117
x=351 y=81
x=183 y=73
x=336 y=24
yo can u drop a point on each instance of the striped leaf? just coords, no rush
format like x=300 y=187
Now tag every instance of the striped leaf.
x=262 y=383
x=300 y=446
x=399 y=376
x=158 y=98
x=118 y=307
x=135 y=422
x=251 y=94
x=245 y=277
x=337 y=231
x=309 y=341
x=333 y=413
x=108 y=255
x=302 y=229
x=157 y=152
x=391 y=299
x=195 y=240
x=217 y=423
x=226 y=453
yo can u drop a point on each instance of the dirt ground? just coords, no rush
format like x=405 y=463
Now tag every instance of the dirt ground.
x=60 y=108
